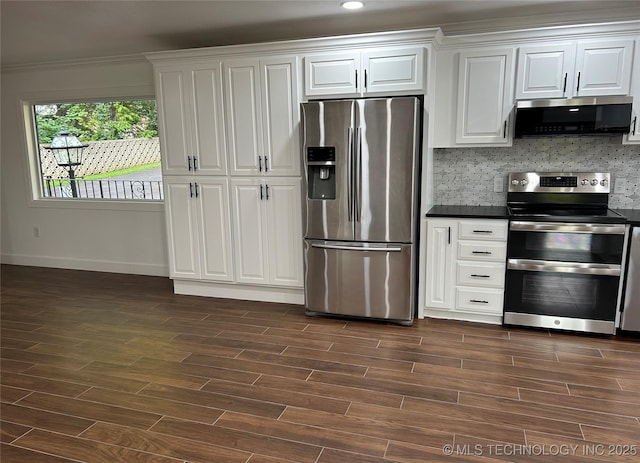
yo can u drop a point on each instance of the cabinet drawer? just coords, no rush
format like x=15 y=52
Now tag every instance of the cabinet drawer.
x=482 y=250
x=480 y=274
x=483 y=230
x=480 y=300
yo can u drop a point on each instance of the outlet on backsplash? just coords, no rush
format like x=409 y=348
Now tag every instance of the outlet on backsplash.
x=619 y=185
x=498 y=184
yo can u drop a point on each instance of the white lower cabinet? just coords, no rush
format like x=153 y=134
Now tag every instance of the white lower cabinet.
x=198 y=228
x=465 y=269
x=268 y=231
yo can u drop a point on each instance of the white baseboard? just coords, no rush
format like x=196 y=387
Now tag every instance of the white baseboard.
x=86 y=264
x=430 y=312
x=236 y=291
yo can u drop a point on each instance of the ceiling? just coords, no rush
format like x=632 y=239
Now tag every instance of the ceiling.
x=36 y=31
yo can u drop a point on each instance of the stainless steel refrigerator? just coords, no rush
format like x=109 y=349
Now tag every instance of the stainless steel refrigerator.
x=361 y=161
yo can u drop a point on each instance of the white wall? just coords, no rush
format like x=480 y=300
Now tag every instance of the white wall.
x=103 y=236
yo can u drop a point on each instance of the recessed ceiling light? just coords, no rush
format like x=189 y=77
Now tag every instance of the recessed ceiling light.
x=352 y=5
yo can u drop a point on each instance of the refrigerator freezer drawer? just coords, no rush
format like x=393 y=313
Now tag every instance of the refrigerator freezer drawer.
x=360 y=279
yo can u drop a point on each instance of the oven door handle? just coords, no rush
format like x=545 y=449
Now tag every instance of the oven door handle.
x=563 y=267
x=601 y=229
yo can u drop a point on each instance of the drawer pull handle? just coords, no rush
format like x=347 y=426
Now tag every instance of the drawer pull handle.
x=481 y=252
x=483 y=231
x=478 y=301
x=475 y=275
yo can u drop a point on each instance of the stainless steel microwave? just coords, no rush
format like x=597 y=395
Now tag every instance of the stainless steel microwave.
x=578 y=116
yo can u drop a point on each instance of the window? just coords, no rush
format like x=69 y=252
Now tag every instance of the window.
x=121 y=155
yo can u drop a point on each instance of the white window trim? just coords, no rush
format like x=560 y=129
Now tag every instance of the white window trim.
x=26 y=103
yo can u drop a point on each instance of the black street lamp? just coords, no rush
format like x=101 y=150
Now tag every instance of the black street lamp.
x=67 y=151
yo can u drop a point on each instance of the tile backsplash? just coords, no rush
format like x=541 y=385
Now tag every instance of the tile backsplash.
x=466 y=176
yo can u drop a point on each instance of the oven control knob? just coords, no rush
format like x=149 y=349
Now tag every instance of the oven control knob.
x=594 y=182
x=523 y=181
x=515 y=182
x=604 y=182
x=584 y=181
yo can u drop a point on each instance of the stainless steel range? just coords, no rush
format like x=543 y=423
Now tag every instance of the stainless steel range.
x=565 y=252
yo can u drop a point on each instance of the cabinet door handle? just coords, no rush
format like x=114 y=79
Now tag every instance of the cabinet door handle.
x=365 y=79
x=190 y=190
x=196 y=185
x=504 y=132
x=266 y=164
x=356 y=79
x=478 y=301
x=189 y=162
x=267 y=190
x=635 y=119
x=564 y=87
x=481 y=252
x=195 y=163
x=260 y=163
x=261 y=193
x=448 y=235
x=578 y=86
x=475 y=275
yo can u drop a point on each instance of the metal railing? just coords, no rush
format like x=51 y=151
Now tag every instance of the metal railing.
x=103 y=189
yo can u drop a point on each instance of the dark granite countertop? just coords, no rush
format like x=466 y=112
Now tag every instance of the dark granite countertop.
x=632 y=215
x=500 y=212
x=469 y=212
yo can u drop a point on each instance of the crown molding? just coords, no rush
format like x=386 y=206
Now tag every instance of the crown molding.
x=137 y=58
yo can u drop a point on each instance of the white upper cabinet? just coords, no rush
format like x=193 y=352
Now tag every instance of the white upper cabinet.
x=262 y=116
x=190 y=114
x=485 y=102
x=378 y=71
x=603 y=67
x=545 y=71
x=633 y=136
x=575 y=69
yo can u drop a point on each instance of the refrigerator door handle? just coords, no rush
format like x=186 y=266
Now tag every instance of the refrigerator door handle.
x=353 y=247
x=350 y=176
x=357 y=176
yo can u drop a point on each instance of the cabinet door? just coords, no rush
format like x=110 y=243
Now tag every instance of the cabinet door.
x=484 y=97
x=440 y=285
x=181 y=229
x=394 y=70
x=214 y=229
x=207 y=128
x=633 y=136
x=332 y=74
x=248 y=196
x=603 y=67
x=244 y=128
x=280 y=116
x=545 y=71
x=173 y=108
x=190 y=118
x=284 y=232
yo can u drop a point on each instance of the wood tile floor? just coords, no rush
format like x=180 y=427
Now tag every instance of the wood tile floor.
x=105 y=368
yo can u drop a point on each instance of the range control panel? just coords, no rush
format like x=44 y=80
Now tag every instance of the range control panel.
x=559 y=182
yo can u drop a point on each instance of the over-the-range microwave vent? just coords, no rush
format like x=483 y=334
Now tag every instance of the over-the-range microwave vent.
x=575 y=116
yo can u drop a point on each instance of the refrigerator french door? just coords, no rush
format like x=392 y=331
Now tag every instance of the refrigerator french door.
x=361 y=163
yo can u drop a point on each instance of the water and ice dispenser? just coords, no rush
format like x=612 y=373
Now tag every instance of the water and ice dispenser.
x=321 y=172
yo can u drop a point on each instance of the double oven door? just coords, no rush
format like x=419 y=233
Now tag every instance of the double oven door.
x=564 y=275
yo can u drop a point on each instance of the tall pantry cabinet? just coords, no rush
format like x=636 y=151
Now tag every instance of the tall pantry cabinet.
x=230 y=157
x=194 y=169
x=262 y=109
